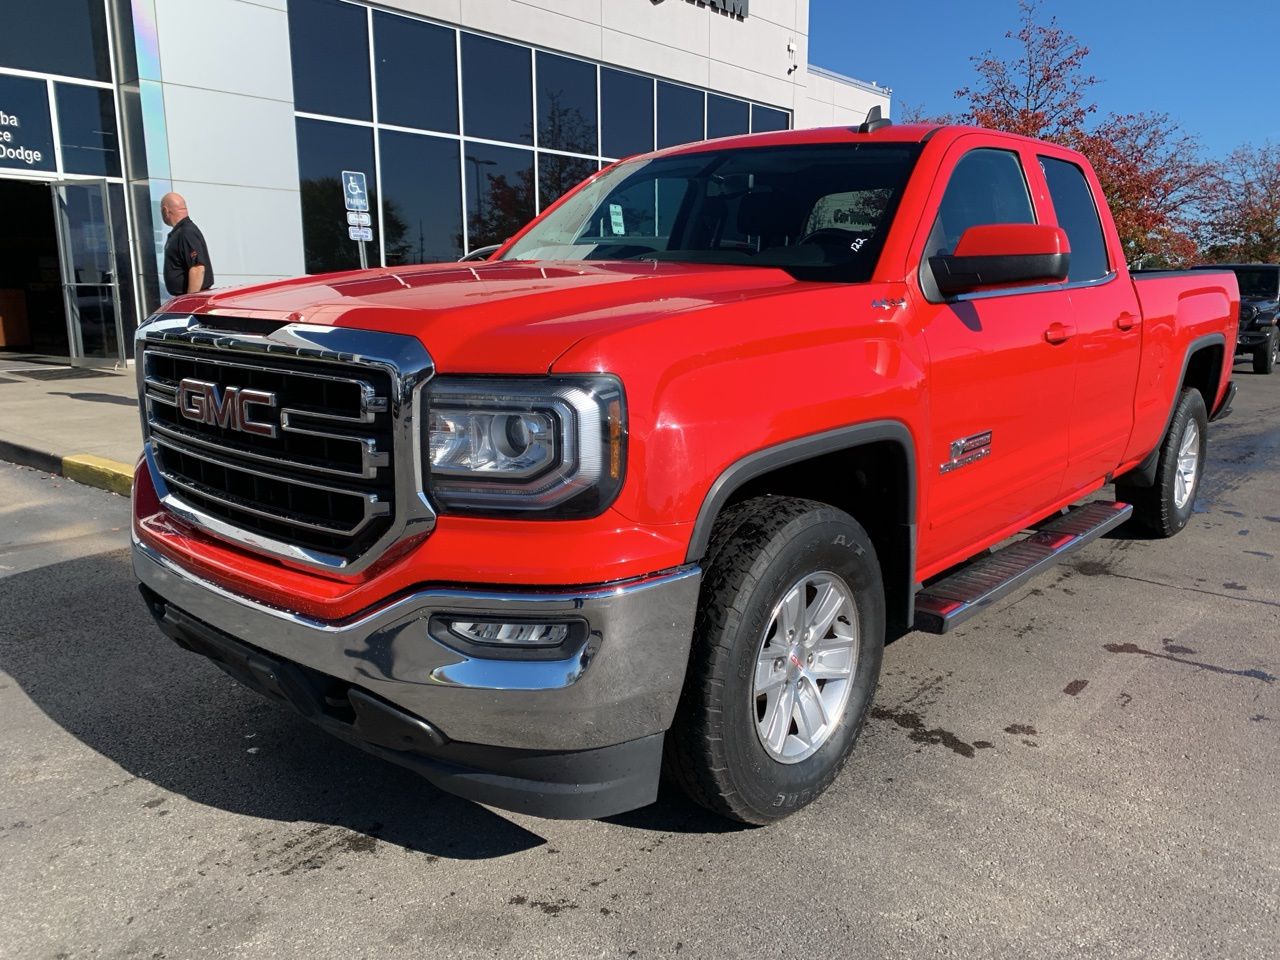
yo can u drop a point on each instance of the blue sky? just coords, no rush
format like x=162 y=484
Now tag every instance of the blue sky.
x=1212 y=66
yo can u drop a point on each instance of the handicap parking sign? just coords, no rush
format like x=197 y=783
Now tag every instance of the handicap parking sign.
x=354 y=193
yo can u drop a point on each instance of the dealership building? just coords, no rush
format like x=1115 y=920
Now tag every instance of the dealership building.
x=466 y=117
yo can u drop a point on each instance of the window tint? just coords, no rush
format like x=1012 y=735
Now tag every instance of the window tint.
x=329 y=43
x=417 y=73
x=87 y=127
x=497 y=90
x=324 y=151
x=421 y=198
x=57 y=36
x=566 y=104
x=499 y=192
x=986 y=187
x=680 y=115
x=746 y=207
x=626 y=113
x=727 y=118
x=1073 y=203
x=26 y=132
x=558 y=175
x=764 y=119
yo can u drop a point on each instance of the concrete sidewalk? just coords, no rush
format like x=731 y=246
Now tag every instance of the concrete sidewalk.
x=75 y=421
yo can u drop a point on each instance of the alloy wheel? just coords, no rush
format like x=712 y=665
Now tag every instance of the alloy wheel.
x=805 y=667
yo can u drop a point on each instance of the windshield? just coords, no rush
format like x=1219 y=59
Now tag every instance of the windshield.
x=819 y=211
x=1261 y=283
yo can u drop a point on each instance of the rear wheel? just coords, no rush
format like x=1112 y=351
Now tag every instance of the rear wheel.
x=1165 y=508
x=1267 y=356
x=787 y=650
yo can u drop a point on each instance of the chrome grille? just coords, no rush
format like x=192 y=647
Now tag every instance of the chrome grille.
x=321 y=483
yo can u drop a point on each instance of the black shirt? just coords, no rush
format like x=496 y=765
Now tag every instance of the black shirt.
x=185 y=249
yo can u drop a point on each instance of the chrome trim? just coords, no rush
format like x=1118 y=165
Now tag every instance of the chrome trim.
x=621 y=683
x=1031 y=288
x=403 y=358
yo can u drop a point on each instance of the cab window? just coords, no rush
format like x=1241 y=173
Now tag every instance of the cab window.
x=986 y=187
x=1077 y=215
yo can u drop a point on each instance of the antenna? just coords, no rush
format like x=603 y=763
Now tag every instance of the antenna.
x=875 y=120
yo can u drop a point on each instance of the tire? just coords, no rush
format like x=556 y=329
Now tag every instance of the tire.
x=1165 y=508
x=771 y=561
x=1267 y=356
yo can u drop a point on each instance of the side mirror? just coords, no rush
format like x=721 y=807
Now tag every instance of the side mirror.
x=1003 y=255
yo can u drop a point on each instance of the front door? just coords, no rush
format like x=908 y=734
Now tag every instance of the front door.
x=90 y=287
x=1001 y=373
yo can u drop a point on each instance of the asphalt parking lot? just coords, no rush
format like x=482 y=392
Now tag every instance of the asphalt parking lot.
x=1091 y=770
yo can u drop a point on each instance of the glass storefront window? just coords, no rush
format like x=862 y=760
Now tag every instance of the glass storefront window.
x=680 y=114
x=324 y=151
x=765 y=119
x=329 y=41
x=727 y=117
x=578 y=114
x=626 y=113
x=499 y=192
x=66 y=37
x=417 y=73
x=26 y=132
x=558 y=175
x=87 y=129
x=421 y=198
x=566 y=104
x=497 y=90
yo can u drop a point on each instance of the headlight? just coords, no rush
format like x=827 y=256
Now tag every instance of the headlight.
x=545 y=447
x=1247 y=312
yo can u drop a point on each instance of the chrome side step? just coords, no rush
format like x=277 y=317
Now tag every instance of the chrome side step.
x=951 y=601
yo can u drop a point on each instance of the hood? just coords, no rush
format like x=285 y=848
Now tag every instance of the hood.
x=497 y=317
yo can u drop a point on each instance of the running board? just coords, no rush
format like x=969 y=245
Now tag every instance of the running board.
x=967 y=592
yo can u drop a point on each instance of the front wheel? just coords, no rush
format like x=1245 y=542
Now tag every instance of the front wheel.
x=786 y=656
x=1267 y=356
x=1165 y=508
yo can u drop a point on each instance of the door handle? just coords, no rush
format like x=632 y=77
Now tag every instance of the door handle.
x=1127 y=321
x=1059 y=332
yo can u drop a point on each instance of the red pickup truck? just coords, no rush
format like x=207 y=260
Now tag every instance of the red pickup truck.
x=650 y=487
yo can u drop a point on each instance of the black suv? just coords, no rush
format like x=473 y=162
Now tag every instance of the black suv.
x=1259 y=306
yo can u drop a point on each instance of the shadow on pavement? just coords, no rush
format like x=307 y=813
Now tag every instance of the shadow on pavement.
x=78 y=640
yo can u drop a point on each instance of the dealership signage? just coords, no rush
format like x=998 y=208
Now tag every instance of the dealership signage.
x=733 y=8
x=26 y=134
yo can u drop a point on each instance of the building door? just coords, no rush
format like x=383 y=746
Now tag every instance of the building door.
x=90 y=285
x=32 y=317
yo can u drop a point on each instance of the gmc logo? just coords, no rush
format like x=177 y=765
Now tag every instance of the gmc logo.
x=227 y=407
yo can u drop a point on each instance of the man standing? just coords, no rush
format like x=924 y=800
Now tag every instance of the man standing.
x=186 y=256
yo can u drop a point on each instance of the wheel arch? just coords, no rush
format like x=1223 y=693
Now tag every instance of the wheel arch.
x=867 y=470
x=1202 y=368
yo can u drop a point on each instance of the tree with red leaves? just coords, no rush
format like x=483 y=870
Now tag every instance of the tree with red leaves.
x=1150 y=169
x=1041 y=92
x=1242 y=212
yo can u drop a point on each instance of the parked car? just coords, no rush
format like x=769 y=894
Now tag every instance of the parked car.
x=1259 y=312
x=659 y=477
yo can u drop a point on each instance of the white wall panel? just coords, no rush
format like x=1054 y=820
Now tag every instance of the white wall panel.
x=226 y=138
x=250 y=232
x=226 y=45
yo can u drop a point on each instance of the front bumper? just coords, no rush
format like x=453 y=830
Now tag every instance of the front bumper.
x=1250 y=339
x=536 y=731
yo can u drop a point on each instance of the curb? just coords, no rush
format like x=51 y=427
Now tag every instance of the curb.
x=99 y=472
x=92 y=471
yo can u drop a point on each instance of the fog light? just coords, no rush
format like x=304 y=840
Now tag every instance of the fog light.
x=497 y=634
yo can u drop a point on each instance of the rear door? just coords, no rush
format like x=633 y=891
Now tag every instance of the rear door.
x=1108 y=328
x=1001 y=374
